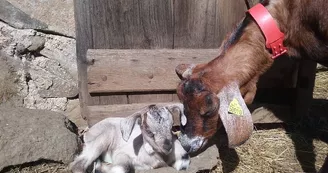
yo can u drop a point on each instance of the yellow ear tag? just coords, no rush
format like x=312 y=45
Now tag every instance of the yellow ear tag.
x=235 y=108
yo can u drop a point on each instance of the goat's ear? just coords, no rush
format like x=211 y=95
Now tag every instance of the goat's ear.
x=177 y=113
x=235 y=116
x=127 y=125
x=184 y=70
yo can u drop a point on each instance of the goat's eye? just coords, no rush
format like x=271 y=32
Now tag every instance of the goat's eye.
x=149 y=133
x=207 y=114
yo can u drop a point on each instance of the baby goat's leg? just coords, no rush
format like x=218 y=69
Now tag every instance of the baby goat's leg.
x=122 y=163
x=91 y=151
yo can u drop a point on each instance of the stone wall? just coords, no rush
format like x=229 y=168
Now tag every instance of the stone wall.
x=37 y=47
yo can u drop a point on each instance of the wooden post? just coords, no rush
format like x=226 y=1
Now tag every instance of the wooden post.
x=83 y=43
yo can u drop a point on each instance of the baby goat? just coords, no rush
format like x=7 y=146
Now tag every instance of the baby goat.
x=141 y=141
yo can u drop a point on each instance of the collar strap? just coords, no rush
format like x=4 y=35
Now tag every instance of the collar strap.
x=273 y=36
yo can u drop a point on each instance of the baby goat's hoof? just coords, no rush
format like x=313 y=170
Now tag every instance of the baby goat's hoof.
x=182 y=164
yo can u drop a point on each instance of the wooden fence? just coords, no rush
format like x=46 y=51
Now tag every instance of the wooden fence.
x=161 y=24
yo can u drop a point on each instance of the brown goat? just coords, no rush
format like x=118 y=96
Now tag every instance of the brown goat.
x=207 y=89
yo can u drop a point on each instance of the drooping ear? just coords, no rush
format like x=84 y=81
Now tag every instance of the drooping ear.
x=179 y=117
x=127 y=125
x=184 y=70
x=235 y=116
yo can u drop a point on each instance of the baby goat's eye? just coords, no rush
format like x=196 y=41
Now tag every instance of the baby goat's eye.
x=149 y=133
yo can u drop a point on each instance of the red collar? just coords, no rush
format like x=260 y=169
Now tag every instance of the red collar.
x=273 y=36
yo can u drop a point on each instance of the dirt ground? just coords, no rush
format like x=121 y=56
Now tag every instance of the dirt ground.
x=284 y=148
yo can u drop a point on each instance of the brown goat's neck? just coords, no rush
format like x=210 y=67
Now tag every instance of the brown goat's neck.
x=244 y=56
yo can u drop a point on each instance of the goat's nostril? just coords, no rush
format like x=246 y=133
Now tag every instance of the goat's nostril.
x=186 y=147
x=167 y=145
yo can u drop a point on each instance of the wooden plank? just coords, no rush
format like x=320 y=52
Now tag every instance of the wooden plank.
x=113 y=99
x=260 y=113
x=149 y=98
x=196 y=24
x=83 y=42
x=117 y=24
x=175 y=98
x=229 y=14
x=132 y=24
x=95 y=100
x=270 y=113
x=122 y=110
x=140 y=70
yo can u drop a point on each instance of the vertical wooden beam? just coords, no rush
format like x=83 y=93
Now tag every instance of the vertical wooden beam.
x=196 y=24
x=204 y=24
x=230 y=13
x=132 y=24
x=83 y=42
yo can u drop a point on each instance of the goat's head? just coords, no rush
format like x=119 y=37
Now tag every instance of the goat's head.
x=206 y=109
x=156 y=126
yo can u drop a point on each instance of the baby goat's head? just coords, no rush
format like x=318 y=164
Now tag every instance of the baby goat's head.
x=156 y=129
x=156 y=125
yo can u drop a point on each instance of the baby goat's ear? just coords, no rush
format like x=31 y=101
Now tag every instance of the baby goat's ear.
x=177 y=112
x=128 y=124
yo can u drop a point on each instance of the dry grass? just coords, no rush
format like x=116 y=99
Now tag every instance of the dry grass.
x=274 y=151
x=321 y=85
x=39 y=168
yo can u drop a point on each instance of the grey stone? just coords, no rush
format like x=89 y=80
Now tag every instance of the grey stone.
x=62 y=50
x=206 y=160
x=51 y=79
x=58 y=16
x=17 y=18
x=44 y=81
x=73 y=113
x=33 y=135
x=37 y=43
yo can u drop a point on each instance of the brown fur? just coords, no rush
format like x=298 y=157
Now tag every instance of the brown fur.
x=243 y=58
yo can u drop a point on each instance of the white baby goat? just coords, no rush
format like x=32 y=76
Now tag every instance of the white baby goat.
x=141 y=141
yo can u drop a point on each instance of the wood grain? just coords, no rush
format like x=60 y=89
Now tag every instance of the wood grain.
x=260 y=113
x=132 y=24
x=196 y=24
x=229 y=14
x=113 y=99
x=140 y=70
x=84 y=42
x=147 y=98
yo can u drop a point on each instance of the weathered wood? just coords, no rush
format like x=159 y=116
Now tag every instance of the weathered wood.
x=196 y=24
x=113 y=99
x=132 y=24
x=122 y=110
x=230 y=13
x=260 y=113
x=270 y=113
x=149 y=98
x=140 y=70
x=204 y=24
x=84 y=41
